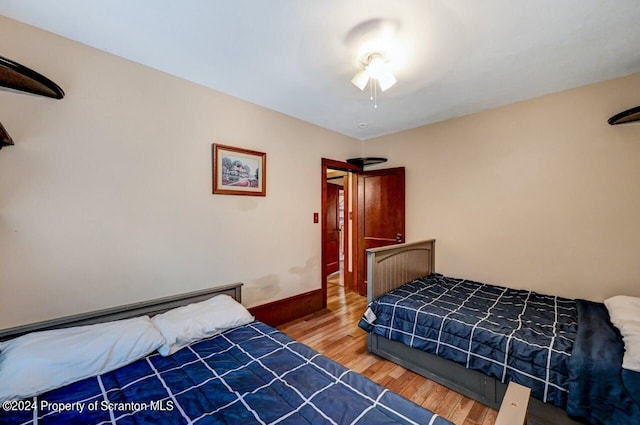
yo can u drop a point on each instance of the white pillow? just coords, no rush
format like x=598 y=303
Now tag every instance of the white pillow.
x=623 y=307
x=184 y=325
x=625 y=315
x=42 y=361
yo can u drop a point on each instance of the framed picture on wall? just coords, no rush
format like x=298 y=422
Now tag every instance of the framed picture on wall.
x=238 y=171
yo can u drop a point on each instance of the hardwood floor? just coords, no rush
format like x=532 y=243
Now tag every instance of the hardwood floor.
x=334 y=332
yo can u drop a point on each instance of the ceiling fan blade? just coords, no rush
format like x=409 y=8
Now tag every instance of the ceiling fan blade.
x=18 y=77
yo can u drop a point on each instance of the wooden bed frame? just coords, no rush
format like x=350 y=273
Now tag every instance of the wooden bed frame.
x=152 y=307
x=392 y=266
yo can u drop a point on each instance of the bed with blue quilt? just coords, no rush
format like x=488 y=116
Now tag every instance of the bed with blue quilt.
x=476 y=337
x=245 y=374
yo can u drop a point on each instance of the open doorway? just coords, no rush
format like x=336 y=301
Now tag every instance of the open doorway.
x=373 y=216
x=338 y=224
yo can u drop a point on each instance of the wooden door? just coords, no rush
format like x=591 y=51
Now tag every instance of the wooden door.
x=381 y=214
x=332 y=241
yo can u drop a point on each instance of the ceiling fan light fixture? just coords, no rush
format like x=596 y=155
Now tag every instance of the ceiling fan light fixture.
x=376 y=66
x=379 y=70
x=361 y=79
x=386 y=81
x=376 y=73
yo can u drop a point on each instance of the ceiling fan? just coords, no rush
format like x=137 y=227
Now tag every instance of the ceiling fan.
x=378 y=47
x=375 y=68
x=19 y=78
x=376 y=73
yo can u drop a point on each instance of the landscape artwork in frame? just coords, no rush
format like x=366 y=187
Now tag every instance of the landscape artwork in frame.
x=238 y=171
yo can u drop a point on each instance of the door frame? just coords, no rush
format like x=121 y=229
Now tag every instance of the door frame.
x=342 y=166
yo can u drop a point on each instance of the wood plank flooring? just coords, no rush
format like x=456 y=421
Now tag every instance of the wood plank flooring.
x=334 y=332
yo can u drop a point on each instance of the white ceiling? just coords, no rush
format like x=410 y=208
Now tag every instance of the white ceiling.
x=451 y=57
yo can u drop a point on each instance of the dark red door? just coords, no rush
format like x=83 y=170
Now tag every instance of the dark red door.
x=381 y=211
x=332 y=241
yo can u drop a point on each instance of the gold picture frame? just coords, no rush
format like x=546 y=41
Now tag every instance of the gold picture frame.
x=238 y=171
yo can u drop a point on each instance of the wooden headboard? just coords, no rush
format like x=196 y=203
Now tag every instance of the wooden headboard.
x=391 y=266
x=150 y=308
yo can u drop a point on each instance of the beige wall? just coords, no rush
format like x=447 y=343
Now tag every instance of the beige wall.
x=542 y=194
x=106 y=197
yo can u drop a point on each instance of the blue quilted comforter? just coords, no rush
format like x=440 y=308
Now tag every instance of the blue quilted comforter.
x=508 y=334
x=249 y=375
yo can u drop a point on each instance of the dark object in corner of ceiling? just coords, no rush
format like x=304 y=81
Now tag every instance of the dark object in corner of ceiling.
x=18 y=77
x=630 y=115
x=363 y=162
x=5 y=139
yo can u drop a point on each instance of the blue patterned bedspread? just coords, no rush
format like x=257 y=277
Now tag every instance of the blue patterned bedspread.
x=249 y=375
x=508 y=334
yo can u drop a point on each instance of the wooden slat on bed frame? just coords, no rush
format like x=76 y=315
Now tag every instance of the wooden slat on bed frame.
x=394 y=265
x=151 y=307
